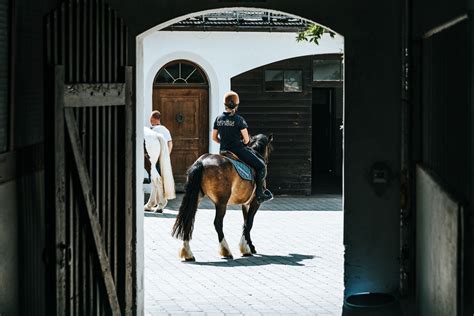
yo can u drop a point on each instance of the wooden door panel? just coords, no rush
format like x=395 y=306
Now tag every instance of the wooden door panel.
x=181 y=162
x=184 y=111
x=185 y=126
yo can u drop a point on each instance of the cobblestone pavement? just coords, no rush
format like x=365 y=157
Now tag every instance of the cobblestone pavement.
x=298 y=269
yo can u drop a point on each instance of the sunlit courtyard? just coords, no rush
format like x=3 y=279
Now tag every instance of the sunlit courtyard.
x=298 y=268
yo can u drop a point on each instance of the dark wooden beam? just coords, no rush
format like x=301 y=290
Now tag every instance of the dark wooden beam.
x=60 y=192
x=101 y=94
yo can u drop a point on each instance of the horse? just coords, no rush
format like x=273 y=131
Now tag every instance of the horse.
x=162 y=185
x=214 y=176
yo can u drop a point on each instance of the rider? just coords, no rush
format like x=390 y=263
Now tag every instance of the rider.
x=230 y=131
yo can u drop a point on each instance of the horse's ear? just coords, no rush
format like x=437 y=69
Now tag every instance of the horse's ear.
x=270 y=138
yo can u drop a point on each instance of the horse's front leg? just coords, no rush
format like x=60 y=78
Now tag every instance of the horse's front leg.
x=246 y=246
x=224 y=249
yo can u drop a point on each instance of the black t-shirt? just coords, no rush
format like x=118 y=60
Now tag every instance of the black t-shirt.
x=228 y=127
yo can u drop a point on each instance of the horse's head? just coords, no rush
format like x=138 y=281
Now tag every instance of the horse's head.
x=262 y=145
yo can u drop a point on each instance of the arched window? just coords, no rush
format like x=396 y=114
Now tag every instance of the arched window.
x=180 y=73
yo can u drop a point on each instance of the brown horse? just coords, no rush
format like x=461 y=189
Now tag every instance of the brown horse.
x=215 y=176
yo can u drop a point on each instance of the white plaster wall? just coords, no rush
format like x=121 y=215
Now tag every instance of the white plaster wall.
x=222 y=55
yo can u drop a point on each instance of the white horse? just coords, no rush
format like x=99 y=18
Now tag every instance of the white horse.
x=162 y=186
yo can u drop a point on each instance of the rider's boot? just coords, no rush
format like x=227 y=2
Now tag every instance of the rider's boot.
x=263 y=194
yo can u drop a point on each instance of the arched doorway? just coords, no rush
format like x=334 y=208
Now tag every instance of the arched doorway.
x=160 y=48
x=181 y=94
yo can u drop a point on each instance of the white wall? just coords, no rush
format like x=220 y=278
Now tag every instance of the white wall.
x=222 y=55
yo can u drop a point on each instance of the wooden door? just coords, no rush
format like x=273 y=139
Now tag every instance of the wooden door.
x=185 y=112
x=92 y=218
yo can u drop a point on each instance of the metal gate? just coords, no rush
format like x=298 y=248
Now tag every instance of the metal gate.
x=93 y=159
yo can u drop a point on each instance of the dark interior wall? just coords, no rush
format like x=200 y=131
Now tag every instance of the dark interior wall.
x=372 y=82
x=8 y=209
x=443 y=108
x=429 y=14
x=8 y=249
x=371 y=134
x=285 y=114
x=29 y=114
x=29 y=118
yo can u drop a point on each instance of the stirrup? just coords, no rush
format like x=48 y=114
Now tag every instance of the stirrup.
x=265 y=196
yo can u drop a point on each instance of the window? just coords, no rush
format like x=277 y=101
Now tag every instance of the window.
x=327 y=70
x=283 y=80
x=180 y=73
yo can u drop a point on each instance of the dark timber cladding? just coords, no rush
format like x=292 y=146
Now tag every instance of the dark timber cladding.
x=445 y=145
x=91 y=240
x=288 y=116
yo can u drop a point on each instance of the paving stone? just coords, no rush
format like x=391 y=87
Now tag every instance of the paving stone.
x=298 y=269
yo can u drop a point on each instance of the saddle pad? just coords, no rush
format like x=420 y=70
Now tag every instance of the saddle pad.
x=244 y=171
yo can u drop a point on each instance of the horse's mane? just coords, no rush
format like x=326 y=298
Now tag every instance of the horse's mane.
x=259 y=142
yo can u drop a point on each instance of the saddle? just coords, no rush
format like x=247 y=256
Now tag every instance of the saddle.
x=244 y=170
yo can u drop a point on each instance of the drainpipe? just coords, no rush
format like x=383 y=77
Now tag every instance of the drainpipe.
x=407 y=245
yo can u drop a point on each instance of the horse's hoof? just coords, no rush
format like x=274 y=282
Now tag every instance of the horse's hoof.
x=159 y=211
x=192 y=259
x=228 y=257
x=252 y=249
x=247 y=255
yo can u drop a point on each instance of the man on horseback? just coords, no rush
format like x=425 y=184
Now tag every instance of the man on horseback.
x=230 y=131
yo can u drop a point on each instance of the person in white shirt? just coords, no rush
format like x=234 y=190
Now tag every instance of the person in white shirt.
x=155 y=121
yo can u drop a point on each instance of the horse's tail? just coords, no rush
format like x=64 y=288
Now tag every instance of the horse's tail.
x=183 y=227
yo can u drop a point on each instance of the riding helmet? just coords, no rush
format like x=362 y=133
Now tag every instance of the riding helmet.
x=231 y=99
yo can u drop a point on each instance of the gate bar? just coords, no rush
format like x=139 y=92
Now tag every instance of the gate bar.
x=89 y=200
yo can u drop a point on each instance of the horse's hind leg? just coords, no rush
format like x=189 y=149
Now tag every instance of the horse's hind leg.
x=224 y=250
x=246 y=246
x=186 y=254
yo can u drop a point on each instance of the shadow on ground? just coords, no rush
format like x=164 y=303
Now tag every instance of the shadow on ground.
x=258 y=260
x=323 y=202
x=162 y=215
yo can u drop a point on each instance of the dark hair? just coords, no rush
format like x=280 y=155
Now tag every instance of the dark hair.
x=231 y=105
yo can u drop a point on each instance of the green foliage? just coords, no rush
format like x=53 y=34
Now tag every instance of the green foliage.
x=312 y=34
